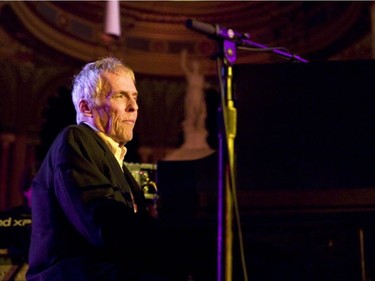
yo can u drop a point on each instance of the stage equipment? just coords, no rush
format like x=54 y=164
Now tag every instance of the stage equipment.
x=145 y=173
x=228 y=42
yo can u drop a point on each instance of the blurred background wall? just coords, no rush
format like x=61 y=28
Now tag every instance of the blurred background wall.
x=44 y=43
x=309 y=232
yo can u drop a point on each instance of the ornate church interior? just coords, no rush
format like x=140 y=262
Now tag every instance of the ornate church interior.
x=303 y=149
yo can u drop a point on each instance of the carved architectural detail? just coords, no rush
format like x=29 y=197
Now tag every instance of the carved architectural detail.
x=43 y=43
x=155 y=31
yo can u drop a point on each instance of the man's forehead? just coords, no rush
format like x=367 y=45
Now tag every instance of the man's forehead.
x=120 y=72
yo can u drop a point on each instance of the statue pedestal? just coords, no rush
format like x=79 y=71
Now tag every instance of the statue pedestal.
x=194 y=147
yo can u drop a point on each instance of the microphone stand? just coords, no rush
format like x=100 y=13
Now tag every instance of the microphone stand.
x=229 y=41
x=226 y=178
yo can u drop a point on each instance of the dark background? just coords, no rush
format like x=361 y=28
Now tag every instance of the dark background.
x=305 y=132
x=305 y=126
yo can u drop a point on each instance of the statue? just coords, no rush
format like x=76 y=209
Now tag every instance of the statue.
x=194 y=127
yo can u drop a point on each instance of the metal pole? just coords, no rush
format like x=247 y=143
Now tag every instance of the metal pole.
x=227 y=133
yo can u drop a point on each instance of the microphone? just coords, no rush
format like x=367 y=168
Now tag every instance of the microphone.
x=215 y=31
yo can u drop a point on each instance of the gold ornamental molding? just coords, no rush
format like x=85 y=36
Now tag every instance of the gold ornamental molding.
x=154 y=34
x=147 y=49
x=53 y=37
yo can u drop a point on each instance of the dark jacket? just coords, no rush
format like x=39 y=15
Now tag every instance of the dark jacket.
x=83 y=224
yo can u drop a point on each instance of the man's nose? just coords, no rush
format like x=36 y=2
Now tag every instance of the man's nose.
x=133 y=105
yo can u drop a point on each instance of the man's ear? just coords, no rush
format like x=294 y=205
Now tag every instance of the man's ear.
x=85 y=108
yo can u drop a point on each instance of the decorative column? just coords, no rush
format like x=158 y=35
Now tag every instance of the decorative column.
x=6 y=141
x=17 y=164
x=372 y=10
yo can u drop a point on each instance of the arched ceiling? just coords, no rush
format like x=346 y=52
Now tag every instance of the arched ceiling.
x=154 y=32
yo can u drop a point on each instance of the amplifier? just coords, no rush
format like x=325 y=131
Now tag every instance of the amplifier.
x=145 y=175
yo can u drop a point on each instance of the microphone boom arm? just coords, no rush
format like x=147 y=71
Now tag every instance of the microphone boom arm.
x=241 y=39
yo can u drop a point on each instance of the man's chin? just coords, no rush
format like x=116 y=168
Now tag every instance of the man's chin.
x=123 y=139
x=127 y=139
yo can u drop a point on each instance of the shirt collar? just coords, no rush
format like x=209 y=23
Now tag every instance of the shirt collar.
x=118 y=150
